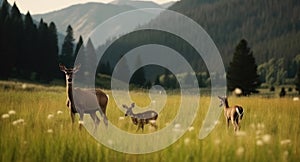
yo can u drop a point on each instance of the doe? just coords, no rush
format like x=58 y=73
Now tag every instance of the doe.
x=235 y=113
x=85 y=101
x=140 y=119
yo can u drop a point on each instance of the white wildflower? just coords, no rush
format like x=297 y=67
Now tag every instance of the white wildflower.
x=121 y=118
x=24 y=86
x=259 y=143
x=266 y=138
x=19 y=121
x=285 y=142
x=50 y=131
x=110 y=142
x=240 y=151
x=4 y=116
x=11 y=112
x=50 y=116
x=217 y=141
x=296 y=99
x=186 y=141
x=241 y=133
x=191 y=128
x=59 y=112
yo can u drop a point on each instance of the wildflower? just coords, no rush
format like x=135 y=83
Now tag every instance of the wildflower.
x=259 y=143
x=241 y=133
x=240 y=151
x=19 y=121
x=191 y=128
x=11 y=112
x=24 y=86
x=50 y=131
x=186 y=141
x=217 y=141
x=59 y=112
x=296 y=99
x=266 y=138
x=177 y=128
x=4 y=116
x=50 y=116
x=110 y=142
x=121 y=118
x=285 y=142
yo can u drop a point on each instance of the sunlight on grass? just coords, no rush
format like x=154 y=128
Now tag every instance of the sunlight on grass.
x=35 y=126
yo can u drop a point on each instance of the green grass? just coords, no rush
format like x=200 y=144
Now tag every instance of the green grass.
x=270 y=130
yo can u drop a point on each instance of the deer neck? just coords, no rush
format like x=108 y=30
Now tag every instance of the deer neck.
x=226 y=104
x=69 y=91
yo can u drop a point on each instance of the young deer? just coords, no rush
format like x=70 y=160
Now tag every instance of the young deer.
x=235 y=113
x=85 y=103
x=140 y=119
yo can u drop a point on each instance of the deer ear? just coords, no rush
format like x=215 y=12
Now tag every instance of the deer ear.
x=62 y=67
x=76 y=68
x=132 y=105
x=125 y=107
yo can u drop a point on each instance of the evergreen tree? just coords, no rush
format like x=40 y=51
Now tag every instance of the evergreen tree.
x=16 y=34
x=138 y=77
x=29 y=47
x=6 y=42
x=91 y=58
x=78 y=48
x=52 y=53
x=242 y=70
x=68 y=48
x=297 y=81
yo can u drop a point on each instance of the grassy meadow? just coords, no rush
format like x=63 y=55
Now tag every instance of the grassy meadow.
x=35 y=126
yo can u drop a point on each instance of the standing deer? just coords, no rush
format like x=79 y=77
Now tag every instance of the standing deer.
x=85 y=99
x=140 y=119
x=235 y=113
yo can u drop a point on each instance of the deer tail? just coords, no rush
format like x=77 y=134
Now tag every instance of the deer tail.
x=239 y=111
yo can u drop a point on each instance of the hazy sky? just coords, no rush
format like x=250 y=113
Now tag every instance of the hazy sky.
x=43 y=6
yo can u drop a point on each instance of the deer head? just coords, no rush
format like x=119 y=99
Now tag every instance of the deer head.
x=223 y=101
x=69 y=72
x=129 y=109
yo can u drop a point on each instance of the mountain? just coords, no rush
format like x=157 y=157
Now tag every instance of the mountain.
x=168 y=4
x=85 y=17
x=136 y=4
x=271 y=27
x=82 y=17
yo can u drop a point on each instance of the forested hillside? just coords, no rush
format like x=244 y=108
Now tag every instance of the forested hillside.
x=272 y=27
x=27 y=51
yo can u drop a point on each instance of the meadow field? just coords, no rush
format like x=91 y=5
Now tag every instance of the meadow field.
x=35 y=126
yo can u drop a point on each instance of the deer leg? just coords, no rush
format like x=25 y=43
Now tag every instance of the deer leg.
x=103 y=115
x=96 y=120
x=154 y=125
x=80 y=119
x=72 y=116
x=142 y=125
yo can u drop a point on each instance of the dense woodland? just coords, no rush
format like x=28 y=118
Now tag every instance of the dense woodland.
x=29 y=50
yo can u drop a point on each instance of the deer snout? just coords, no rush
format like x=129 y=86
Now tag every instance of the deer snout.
x=70 y=80
x=126 y=115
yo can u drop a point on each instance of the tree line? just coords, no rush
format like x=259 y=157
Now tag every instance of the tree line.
x=27 y=50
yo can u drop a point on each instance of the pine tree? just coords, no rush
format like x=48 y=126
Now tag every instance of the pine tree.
x=297 y=81
x=242 y=70
x=138 y=77
x=91 y=58
x=29 y=47
x=79 y=48
x=68 y=48
x=52 y=52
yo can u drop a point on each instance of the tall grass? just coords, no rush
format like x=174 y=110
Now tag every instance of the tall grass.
x=269 y=131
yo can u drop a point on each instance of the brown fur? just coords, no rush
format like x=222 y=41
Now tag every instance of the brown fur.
x=231 y=113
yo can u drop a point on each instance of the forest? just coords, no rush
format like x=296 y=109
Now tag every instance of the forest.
x=30 y=50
